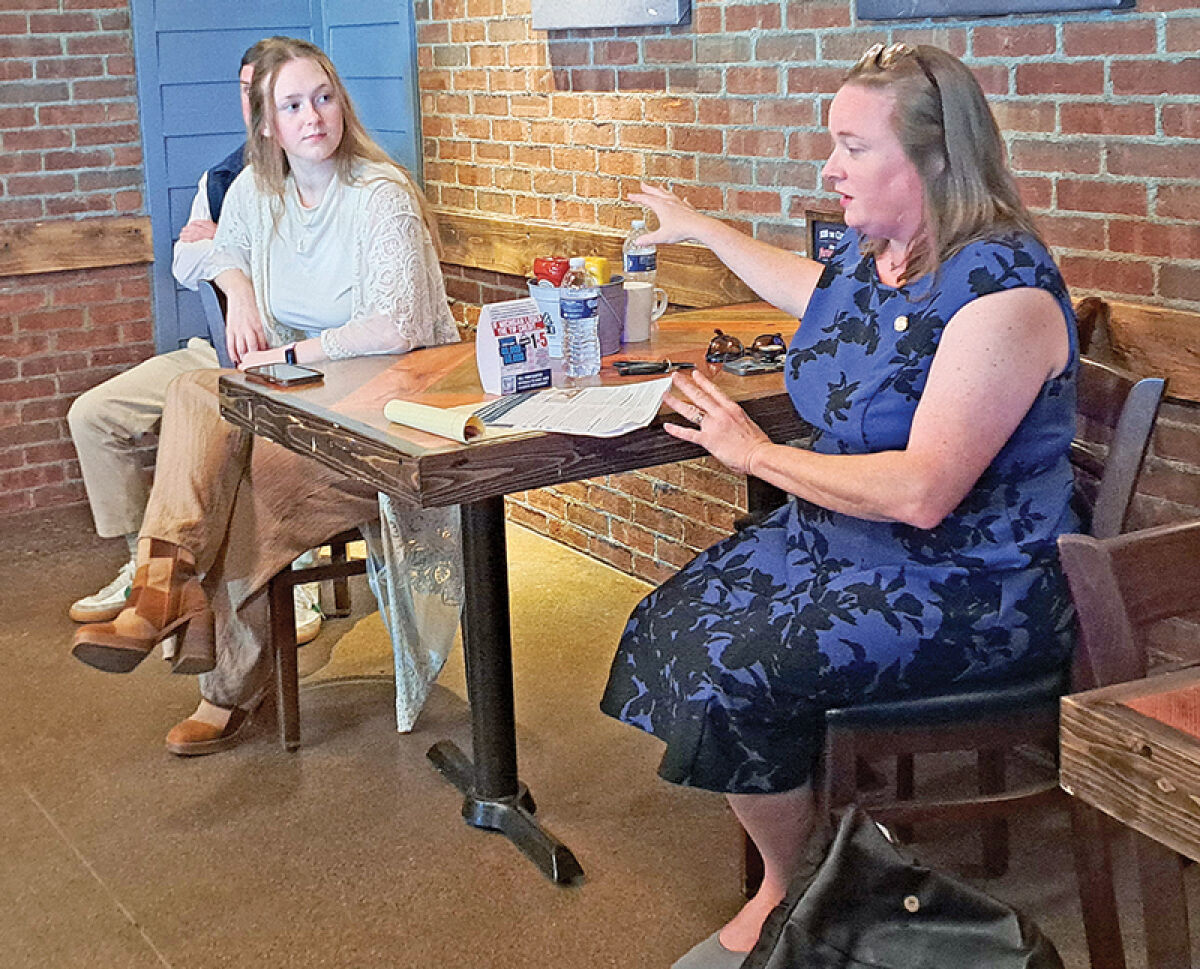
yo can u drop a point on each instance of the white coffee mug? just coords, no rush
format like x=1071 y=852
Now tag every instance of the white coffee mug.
x=644 y=303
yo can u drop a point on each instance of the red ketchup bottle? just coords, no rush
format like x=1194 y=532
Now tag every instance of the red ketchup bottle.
x=551 y=268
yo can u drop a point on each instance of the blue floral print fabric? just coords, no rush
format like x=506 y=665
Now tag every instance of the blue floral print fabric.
x=732 y=661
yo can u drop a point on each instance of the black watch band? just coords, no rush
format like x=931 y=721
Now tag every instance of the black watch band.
x=289 y=354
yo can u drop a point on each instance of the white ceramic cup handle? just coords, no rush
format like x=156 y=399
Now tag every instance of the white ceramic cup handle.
x=660 y=303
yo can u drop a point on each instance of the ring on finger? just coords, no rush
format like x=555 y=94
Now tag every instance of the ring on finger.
x=699 y=418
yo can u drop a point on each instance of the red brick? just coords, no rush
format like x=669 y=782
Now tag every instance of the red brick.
x=671 y=167
x=69 y=67
x=1181 y=120
x=40 y=185
x=1108 y=119
x=1013 y=40
x=759 y=203
x=1081 y=158
x=1167 y=161
x=17 y=117
x=815 y=14
x=752 y=80
x=1035 y=192
x=1057 y=77
x=62 y=23
x=1178 y=202
x=784 y=112
x=666 y=50
x=809 y=80
x=1183 y=34
x=14 y=70
x=1178 y=282
x=36 y=139
x=101 y=90
x=1099 y=39
x=768 y=144
x=1102 y=195
x=1146 y=238
x=1072 y=232
x=725 y=111
x=1126 y=276
x=1156 y=77
x=1024 y=115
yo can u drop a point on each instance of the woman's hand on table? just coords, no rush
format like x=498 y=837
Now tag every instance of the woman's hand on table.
x=722 y=427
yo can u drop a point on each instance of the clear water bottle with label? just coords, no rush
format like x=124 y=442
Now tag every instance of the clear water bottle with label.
x=641 y=262
x=579 y=301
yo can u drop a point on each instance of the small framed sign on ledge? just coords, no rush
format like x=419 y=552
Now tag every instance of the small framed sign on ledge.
x=921 y=9
x=825 y=231
x=578 y=14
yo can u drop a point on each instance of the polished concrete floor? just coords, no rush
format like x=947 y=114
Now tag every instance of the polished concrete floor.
x=351 y=852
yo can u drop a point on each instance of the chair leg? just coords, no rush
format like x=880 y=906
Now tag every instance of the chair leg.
x=287 y=673
x=1094 y=876
x=994 y=832
x=906 y=789
x=1164 y=905
x=752 y=866
x=341 y=587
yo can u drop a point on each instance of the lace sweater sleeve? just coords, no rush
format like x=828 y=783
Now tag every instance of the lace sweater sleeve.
x=233 y=243
x=400 y=297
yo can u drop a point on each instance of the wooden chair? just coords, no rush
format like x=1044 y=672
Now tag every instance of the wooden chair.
x=1122 y=586
x=283 y=625
x=991 y=721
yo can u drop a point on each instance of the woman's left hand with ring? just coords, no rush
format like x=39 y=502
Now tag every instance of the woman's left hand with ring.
x=722 y=427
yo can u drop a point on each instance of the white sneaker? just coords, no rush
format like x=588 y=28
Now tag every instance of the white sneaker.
x=108 y=602
x=307 y=599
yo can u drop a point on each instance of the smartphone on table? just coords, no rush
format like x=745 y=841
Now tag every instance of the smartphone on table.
x=283 y=374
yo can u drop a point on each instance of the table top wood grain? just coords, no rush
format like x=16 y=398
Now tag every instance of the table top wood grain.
x=1133 y=751
x=340 y=422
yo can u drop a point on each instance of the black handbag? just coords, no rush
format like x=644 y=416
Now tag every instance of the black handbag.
x=859 y=903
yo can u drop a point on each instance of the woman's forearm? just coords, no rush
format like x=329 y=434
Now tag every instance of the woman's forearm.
x=894 y=486
x=782 y=278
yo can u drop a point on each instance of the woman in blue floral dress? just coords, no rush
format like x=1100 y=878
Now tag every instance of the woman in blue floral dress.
x=936 y=360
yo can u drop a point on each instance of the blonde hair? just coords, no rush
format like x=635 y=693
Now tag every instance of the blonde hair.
x=268 y=159
x=942 y=119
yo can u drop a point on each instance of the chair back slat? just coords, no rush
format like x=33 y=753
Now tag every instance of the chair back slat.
x=213 y=302
x=1127 y=407
x=1121 y=586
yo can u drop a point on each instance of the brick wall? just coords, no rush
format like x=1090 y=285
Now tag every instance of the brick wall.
x=1101 y=113
x=69 y=149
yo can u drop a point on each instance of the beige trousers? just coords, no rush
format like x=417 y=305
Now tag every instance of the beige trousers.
x=245 y=508
x=108 y=423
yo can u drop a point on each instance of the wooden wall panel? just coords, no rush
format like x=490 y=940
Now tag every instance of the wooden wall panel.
x=46 y=247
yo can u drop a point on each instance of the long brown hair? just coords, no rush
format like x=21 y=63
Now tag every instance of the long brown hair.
x=947 y=130
x=268 y=159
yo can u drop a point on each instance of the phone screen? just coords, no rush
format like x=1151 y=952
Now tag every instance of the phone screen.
x=284 y=374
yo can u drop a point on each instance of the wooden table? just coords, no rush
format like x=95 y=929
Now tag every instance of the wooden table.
x=341 y=424
x=1133 y=752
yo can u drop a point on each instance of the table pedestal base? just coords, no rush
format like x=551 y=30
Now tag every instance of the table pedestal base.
x=511 y=816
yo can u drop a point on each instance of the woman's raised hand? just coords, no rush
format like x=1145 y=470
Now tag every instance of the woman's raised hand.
x=722 y=427
x=677 y=220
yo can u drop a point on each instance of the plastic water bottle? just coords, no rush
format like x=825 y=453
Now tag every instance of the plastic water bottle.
x=579 y=301
x=641 y=262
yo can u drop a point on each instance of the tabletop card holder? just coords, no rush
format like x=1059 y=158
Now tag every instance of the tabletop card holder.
x=512 y=350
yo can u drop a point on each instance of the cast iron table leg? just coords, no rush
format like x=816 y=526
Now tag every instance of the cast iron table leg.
x=494 y=798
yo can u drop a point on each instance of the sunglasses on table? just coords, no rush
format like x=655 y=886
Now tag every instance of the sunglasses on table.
x=724 y=347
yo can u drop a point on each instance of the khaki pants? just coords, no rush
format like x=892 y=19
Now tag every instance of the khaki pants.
x=245 y=508
x=108 y=423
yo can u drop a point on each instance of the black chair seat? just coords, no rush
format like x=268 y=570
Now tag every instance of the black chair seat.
x=1001 y=699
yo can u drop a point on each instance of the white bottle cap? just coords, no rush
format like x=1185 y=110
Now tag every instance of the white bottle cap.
x=577 y=262
x=638 y=224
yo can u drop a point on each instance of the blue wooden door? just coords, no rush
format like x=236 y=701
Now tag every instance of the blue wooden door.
x=188 y=56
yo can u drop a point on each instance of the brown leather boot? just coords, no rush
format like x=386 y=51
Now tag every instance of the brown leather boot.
x=166 y=599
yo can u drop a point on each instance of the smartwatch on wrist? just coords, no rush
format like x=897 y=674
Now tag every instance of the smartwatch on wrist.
x=289 y=354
